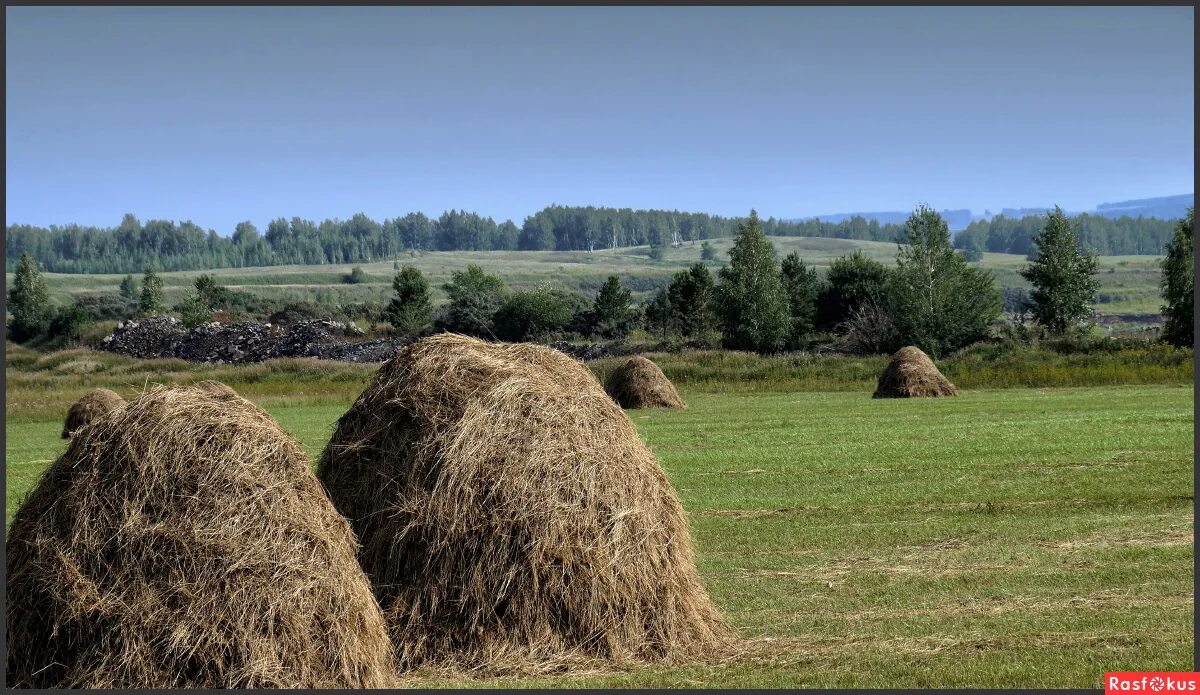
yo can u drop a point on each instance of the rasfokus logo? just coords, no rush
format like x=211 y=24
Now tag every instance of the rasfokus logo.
x=1149 y=682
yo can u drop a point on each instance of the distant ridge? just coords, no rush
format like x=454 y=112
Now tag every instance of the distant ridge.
x=1165 y=208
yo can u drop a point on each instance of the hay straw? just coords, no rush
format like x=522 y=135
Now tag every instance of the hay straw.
x=911 y=374
x=511 y=520
x=93 y=405
x=639 y=383
x=182 y=541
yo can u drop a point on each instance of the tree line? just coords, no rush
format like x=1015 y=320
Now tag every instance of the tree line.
x=170 y=246
x=932 y=298
x=1122 y=236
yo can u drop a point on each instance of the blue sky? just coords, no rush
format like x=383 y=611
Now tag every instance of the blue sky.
x=224 y=114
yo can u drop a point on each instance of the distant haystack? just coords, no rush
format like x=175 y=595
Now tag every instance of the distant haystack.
x=639 y=383
x=510 y=518
x=911 y=374
x=183 y=541
x=93 y=405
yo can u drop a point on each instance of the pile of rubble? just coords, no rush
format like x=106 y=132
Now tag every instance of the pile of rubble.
x=243 y=341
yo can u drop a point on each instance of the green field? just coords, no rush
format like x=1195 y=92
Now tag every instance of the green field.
x=1007 y=538
x=1128 y=284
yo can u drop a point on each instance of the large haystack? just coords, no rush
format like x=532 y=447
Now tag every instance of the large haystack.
x=216 y=388
x=184 y=542
x=911 y=374
x=510 y=518
x=93 y=405
x=639 y=383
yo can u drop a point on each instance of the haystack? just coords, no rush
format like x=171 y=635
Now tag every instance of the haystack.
x=184 y=542
x=639 y=383
x=510 y=518
x=216 y=388
x=90 y=407
x=911 y=374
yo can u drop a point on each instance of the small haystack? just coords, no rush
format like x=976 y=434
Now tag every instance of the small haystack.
x=510 y=518
x=216 y=388
x=93 y=405
x=911 y=374
x=184 y=542
x=639 y=383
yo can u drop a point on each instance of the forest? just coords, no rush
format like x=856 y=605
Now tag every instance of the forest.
x=168 y=245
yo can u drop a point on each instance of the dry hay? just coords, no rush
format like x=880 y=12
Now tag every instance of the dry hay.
x=511 y=520
x=93 y=405
x=639 y=383
x=216 y=388
x=183 y=541
x=911 y=374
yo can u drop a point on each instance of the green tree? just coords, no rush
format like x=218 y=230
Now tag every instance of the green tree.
x=129 y=289
x=852 y=282
x=28 y=302
x=612 y=313
x=658 y=313
x=208 y=292
x=751 y=301
x=938 y=302
x=151 y=303
x=658 y=252
x=1063 y=277
x=1177 y=284
x=475 y=296
x=68 y=322
x=412 y=305
x=801 y=284
x=193 y=310
x=534 y=315
x=692 y=296
x=707 y=252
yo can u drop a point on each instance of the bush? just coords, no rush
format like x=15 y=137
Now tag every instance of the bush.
x=536 y=315
x=357 y=276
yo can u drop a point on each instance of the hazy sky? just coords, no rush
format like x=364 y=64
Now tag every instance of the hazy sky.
x=223 y=114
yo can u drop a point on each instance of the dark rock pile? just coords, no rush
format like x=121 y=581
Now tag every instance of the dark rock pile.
x=244 y=341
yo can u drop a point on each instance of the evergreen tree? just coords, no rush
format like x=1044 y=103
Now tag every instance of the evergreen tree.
x=193 y=310
x=612 y=313
x=658 y=313
x=752 y=304
x=1063 y=277
x=129 y=289
x=801 y=284
x=412 y=305
x=151 y=303
x=28 y=302
x=1177 y=286
x=937 y=301
x=691 y=294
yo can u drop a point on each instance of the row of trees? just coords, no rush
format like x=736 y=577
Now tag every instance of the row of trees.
x=132 y=245
x=1104 y=236
x=932 y=297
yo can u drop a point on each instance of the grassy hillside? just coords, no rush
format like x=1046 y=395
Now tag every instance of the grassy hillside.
x=1129 y=284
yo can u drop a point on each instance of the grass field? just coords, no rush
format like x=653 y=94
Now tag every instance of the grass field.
x=1128 y=284
x=1006 y=538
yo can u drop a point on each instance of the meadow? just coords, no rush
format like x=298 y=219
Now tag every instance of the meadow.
x=1028 y=533
x=1128 y=284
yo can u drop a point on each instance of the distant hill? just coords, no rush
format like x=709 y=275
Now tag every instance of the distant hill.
x=1167 y=207
x=956 y=219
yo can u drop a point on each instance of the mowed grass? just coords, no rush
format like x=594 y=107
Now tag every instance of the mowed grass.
x=1015 y=538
